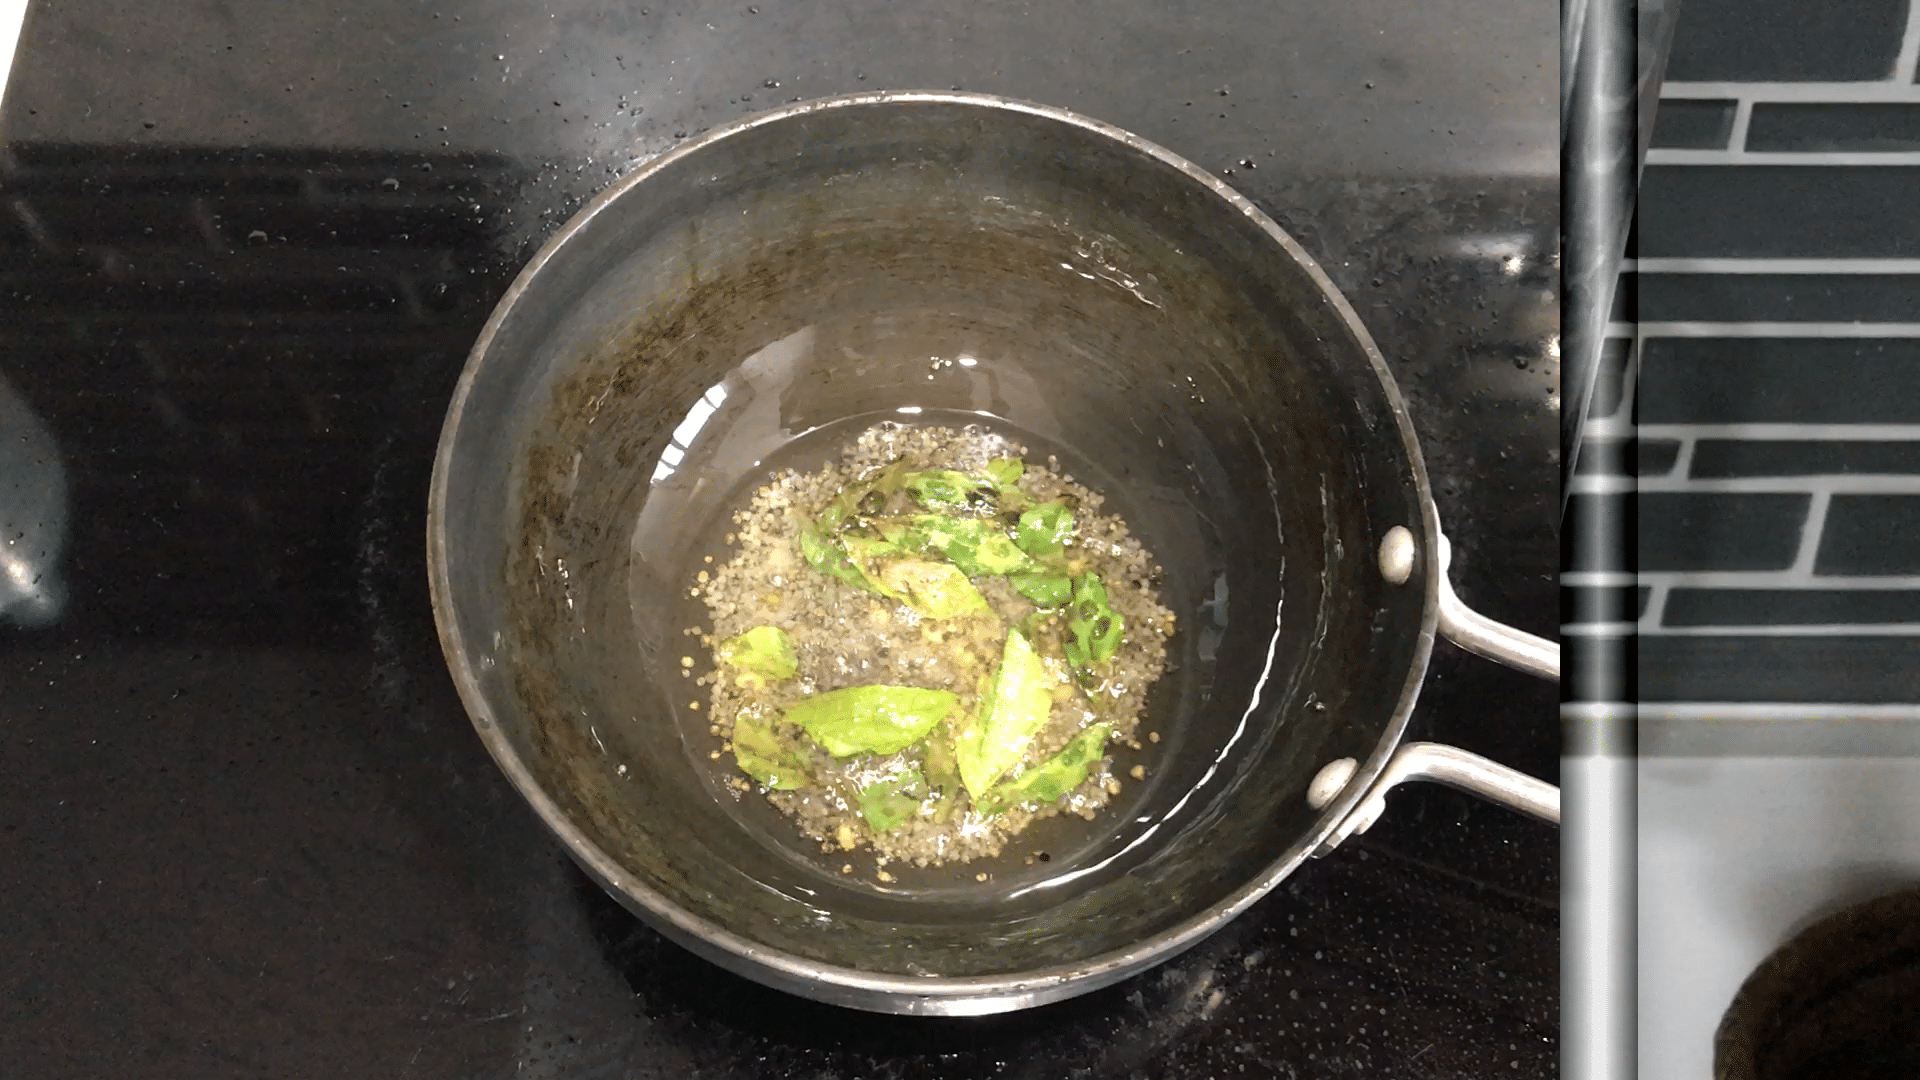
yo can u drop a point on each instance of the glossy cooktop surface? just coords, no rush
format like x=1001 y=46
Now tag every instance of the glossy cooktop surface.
x=247 y=829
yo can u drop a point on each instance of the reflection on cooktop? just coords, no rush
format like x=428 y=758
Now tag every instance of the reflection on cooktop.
x=247 y=814
x=225 y=343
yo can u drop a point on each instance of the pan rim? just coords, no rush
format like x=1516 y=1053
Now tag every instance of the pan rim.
x=875 y=991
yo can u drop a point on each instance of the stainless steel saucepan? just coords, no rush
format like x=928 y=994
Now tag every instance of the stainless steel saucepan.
x=739 y=304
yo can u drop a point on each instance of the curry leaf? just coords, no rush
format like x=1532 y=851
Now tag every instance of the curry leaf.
x=764 y=754
x=904 y=534
x=1006 y=472
x=766 y=651
x=943 y=772
x=891 y=800
x=863 y=551
x=976 y=545
x=1053 y=778
x=1014 y=708
x=847 y=503
x=944 y=489
x=830 y=558
x=871 y=719
x=1044 y=529
x=936 y=590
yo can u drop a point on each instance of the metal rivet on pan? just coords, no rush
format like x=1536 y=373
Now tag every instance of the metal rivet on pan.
x=1330 y=781
x=1396 y=555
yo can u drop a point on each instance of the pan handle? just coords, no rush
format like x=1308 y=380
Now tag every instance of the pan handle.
x=1496 y=641
x=1438 y=762
x=1464 y=626
x=1441 y=764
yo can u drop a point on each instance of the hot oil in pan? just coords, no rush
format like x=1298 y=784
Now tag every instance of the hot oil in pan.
x=845 y=638
x=880 y=811
x=909 y=643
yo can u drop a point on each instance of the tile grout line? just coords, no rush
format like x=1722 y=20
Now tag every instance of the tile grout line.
x=1646 y=633
x=1864 y=92
x=1682 y=461
x=1649 y=622
x=1737 y=710
x=1769 y=580
x=1906 y=63
x=1815 y=484
x=1759 y=329
x=1742 y=120
x=1810 y=531
x=1810 y=159
x=1815 y=432
x=1732 y=265
x=1616 y=427
x=1898 y=86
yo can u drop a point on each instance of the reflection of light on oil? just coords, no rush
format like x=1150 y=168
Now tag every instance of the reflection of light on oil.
x=910 y=410
x=968 y=361
x=689 y=428
x=16 y=572
x=1220 y=759
x=1494 y=246
x=1511 y=265
x=1553 y=347
x=1227 y=751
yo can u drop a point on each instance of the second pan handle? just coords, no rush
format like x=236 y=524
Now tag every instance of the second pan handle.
x=1441 y=764
x=1437 y=762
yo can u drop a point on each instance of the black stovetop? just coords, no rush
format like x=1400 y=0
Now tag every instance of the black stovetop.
x=245 y=826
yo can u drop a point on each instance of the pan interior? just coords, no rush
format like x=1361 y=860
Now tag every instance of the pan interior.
x=746 y=306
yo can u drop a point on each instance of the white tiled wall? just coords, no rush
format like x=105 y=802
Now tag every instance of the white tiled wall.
x=1757 y=817
x=1899 y=86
